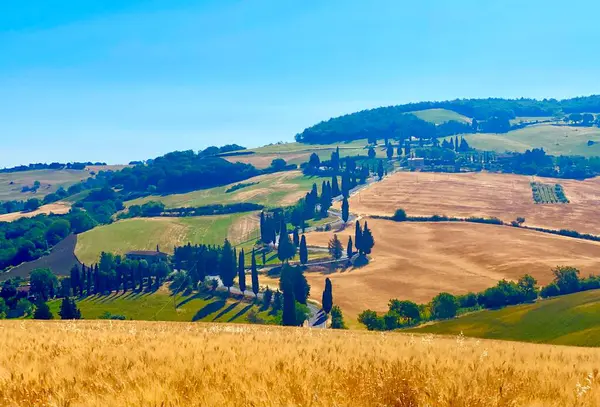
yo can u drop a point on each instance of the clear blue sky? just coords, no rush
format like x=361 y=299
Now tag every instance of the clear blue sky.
x=118 y=80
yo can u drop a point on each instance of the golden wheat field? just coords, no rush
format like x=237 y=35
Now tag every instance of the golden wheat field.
x=126 y=363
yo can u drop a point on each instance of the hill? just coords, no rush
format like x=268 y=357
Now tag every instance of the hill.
x=439 y=116
x=278 y=189
x=567 y=320
x=12 y=183
x=417 y=261
x=58 y=208
x=146 y=233
x=123 y=363
x=554 y=139
x=482 y=194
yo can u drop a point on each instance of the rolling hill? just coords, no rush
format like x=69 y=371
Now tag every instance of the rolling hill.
x=439 y=116
x=12 y=183
x=567 y=320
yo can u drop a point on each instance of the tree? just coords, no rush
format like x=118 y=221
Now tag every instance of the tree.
x=399 y=215
x=444 y=306
x=254 y=273
x=349 y=248
x=58 y=231
x=405 y=309
x=314 y=161
x=303 y=250
x=3 y=308
x=380 y=169
x=285 y=249
x=68 y=309
x=32 y=204
x=367 y=242
x=227 y=265
x=399 y=151
x=358 y=236
x=337 y=319
x=24 y=307
x=390 y=152
x=292 y=278
x=81 y=221
x=296 y=237
x=529 y=288
x=289 y=308
x=371 y=152
x=277 y=301
x=267 y=297
x=335 y=189
x=327 y=299
x=42 y=311
x=336 y=250
x=278 y=164
x=345 y=210
x=370 y=319
x=43 y=284
x=242 y=272
x=567 y=279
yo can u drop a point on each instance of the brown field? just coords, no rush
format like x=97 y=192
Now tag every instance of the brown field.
x=130 y=363
x=416 y=261
x=114 y=167
x=264 y=160
x=58 y=208
x=504 y=196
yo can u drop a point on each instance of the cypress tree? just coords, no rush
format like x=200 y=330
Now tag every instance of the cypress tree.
x=42 y=311
x=380 y=169
x=346 y=184
x=277 y=301
x=345 y=210
x=296 y=237
x=399 y=151
x=227 y=265
x=285 y=249
x=456 y=144
x=367 y=240
x=242 y=272
x=390 y=152
x=303 y=251
x=289 y=308
x=262 y=228
x=264 y=257
x=254 y=274
x=357 y=237
x=335 y=189
x=349 y=248
x=68 y=309
x=88 y=281
x=327 y=296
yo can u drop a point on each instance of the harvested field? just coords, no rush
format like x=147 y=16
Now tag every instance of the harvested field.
x=264 y=160
x=58 y=208
x=60 y=260
x=416 y=261
x=505 y=196
x=12 y=183
x=131 y=363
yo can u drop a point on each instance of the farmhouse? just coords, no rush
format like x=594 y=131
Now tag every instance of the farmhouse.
x=150 y=256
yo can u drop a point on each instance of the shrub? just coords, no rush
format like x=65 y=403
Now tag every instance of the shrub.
x=551 y=290
x=444 y=306
x=399 y=215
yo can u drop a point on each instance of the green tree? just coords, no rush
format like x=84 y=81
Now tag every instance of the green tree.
x=335 y=189
x=380 y=169
x=349 y=248
x=254 y=274
x=43 y=284
x=336 y=250
x=292 y=278
x=285 y=249
x=529 y=288
x=371 y=152
x=407 y=310
x=24 y=307
x=81 y=221
x=227 y=265
x=327 y=299
x=242 y=272
x=399 y=215
x=277 y=301
x=68 y=309
x=345 y=210
x=358 y=236
x=367 y=241
x=32 y=204
x=296 y=237
x=390 y=152
x=567 y=279
x=303 y=250
x=42 y=311
x=289 y=308
x=337 y=319
x=314 y=161
x=444 y=306
x=370 y=319
x=58 y=231
x=3 y=308
x=267 y=297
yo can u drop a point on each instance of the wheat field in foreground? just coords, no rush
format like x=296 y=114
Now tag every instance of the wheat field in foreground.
x=126 y=363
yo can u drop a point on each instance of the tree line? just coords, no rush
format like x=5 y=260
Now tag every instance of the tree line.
x=405 y=313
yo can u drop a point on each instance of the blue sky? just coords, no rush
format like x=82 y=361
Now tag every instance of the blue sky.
x=119 y=80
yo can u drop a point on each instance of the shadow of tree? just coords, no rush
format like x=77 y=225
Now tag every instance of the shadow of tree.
x=240 y=313
x=203 y=296
x=209 y=309
x=226 y=310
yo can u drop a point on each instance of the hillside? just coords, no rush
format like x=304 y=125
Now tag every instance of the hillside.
x=439 y=116
x=567 y=320
x=146 y=233
x=123 y=363
x=12 y=183
x=416 y=261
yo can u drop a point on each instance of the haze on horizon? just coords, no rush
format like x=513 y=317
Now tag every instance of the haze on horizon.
x=117 y=80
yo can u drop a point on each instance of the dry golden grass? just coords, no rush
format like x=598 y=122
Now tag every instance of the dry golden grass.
x=58 y=208
x=126 y=363
x=416 y=261
x=505 y=196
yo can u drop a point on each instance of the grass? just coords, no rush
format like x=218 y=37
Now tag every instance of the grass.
x=439 y=116
x=50 y=181
x=568 y=320
x=555 y=140
x=160 y=306
x=279 y=189
x=146 y=233
x=131 y=363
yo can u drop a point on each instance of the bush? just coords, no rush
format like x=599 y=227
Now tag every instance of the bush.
x=399 y=215
x=370 y=319
x=444 y=306
x=467 y=301
x=551 y=290
x=337 y=319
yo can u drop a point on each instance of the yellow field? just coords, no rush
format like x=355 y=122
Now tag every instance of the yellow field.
x=58 y=208
x=126 y=363
x=505 y=196
x=417 y=261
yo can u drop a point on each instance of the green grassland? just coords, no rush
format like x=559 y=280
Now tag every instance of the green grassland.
x=439 y=116
x=532 y=119
x=160 y=306
x=146 y=233
x=279 y=189
x=556 y=140
x=50 y=181
x=568 y=320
